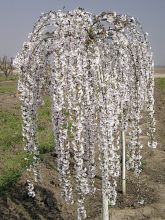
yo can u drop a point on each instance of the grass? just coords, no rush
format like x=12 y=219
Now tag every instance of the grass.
x=11 y=77
x=160 y=82
x=8 y=87
x=44 y=123
x=12 y=162
x=10 y=130
x=12 y=168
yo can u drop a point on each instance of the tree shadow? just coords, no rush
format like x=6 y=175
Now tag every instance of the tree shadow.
x=15 y=204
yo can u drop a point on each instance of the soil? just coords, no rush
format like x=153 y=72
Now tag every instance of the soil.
x=145 y=197
x=159 y=72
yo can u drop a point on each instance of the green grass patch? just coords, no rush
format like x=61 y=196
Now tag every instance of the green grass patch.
x=44 y=123
x=12 y=162
x=160 y=82
x=8 y=87
x=44 y=111
x=46 y=147
x=11 y=77
x=143 y=164
x=10 y=130
x=12 y=168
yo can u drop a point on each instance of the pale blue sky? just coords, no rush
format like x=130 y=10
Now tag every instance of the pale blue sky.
x=18 y=16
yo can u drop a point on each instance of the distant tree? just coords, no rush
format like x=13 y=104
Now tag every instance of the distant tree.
x=6 y=66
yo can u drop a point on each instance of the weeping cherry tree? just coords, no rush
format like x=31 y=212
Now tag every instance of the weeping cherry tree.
x=100 y=84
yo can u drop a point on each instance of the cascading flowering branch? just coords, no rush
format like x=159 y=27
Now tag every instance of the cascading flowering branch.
x=100 y=83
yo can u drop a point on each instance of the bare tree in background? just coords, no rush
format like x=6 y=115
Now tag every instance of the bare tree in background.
x=6 y=66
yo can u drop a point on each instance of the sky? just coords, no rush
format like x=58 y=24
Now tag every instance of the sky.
x=17 y=18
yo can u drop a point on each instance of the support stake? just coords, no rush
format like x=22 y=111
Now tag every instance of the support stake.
x=123 y=164
x=105 y=211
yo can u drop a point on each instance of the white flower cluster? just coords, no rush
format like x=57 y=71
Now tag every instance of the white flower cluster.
x=101 y=82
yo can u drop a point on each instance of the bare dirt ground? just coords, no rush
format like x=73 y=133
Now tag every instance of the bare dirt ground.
x=160 y=72
x=48 y=204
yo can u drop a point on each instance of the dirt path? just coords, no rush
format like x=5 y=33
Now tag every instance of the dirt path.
x=159 y=75
x=159 y=72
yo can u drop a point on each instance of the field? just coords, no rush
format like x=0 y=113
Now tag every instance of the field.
x=48 y=205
